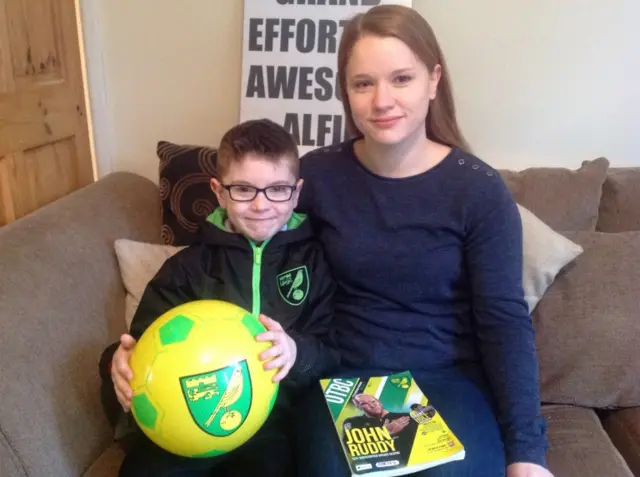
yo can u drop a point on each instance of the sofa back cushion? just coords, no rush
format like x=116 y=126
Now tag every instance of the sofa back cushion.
x=564 y=199
x=62 y=304
x=620 y=204
x=588 y=325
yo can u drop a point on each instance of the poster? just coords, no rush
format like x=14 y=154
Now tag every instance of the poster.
x=289 y=65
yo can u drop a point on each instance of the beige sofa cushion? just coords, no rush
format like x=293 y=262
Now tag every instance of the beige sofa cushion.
x=139 y=262
x=579 y=446
x=545 y=254
x=564 y=199
x=588 y=325
x=620 y=205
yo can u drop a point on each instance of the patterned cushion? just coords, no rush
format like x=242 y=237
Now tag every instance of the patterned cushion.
x=187 y=199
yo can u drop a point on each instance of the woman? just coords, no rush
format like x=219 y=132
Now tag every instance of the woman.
x=426 y=243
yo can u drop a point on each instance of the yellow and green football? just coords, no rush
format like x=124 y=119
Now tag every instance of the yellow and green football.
x=199 y=387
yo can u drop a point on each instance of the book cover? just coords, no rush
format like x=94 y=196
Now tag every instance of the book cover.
x=387 y=426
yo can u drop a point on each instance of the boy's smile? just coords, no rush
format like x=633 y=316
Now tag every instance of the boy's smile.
x=250 y=212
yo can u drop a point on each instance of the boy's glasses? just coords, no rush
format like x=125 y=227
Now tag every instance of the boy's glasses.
x=246 y=193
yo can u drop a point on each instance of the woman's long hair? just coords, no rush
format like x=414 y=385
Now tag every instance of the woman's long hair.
x=412 y=29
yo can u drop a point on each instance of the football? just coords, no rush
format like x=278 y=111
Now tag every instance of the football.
x=199 y=387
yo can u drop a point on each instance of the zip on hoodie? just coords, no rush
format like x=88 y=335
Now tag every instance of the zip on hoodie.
x=255 y=276
x=218 y=218
x=294 y=222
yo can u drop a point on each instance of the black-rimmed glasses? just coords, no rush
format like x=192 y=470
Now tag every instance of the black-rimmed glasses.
x=247 y=193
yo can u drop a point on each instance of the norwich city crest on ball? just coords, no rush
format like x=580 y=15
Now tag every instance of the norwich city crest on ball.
x=219 y=400
x=293 y=285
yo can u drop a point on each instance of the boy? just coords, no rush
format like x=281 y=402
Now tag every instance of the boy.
x=248 y=248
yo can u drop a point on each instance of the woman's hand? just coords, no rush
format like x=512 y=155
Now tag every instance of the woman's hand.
x=521 y=469
x=283 y=351
x=121 y=373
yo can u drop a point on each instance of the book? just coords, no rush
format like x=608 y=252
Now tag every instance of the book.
x=387 y=426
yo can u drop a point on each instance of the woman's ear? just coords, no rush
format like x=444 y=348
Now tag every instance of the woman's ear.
x=434 y=79
x=296 y=194
x=218 y=190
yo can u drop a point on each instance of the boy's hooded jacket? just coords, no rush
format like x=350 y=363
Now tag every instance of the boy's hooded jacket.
x=285 y=278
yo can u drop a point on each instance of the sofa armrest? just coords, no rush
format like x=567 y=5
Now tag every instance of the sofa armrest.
x=10 y=465
x=62 y=302
x=623 y=427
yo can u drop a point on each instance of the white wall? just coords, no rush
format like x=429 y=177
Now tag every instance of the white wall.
x=170 y=69
x=537 y=83
x=544 y=82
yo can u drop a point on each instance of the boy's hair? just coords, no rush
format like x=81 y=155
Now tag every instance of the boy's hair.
x=261 y=137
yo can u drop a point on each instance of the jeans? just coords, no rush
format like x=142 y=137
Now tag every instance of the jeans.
x=460 y=396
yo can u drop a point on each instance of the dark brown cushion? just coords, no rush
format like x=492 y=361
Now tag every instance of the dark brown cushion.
x=588 y=325
x=579 y=446
x=187 y=199
x=620 y=205
x=623 y=427
x=562 y=198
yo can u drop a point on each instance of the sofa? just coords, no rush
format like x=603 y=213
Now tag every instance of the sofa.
x=63 y=300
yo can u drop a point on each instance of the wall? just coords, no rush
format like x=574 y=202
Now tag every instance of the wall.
x=537 y=83
x=544 y=82
x=166 y=70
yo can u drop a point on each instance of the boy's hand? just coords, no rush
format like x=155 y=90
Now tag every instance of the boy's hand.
x=121 y=373
x=283 y=351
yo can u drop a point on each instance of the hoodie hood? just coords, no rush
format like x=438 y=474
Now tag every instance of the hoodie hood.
x=214 y=231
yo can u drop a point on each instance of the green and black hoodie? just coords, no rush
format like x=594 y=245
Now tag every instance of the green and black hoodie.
x=285 y=278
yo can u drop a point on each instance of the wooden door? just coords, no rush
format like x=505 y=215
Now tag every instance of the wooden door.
x=44 y=140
